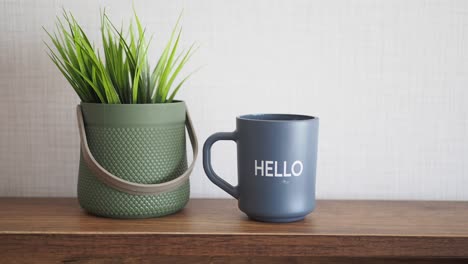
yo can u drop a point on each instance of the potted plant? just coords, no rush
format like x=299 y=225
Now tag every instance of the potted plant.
x=133 y=157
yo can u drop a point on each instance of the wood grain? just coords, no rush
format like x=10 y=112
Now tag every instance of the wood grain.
x=247 y=260
x=43 y=227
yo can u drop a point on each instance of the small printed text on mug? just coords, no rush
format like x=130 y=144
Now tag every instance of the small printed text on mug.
x=270 y=168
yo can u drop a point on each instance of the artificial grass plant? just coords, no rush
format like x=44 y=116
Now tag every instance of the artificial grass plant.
x=124 y=75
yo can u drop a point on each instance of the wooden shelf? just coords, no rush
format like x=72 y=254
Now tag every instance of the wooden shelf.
x=56 y=228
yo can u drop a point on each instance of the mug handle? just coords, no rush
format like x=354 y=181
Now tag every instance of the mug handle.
x=232 y=190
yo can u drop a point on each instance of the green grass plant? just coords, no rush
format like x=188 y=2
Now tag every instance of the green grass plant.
x=122 y=75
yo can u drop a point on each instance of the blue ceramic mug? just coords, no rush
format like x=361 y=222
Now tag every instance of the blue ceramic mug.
x=276 y=164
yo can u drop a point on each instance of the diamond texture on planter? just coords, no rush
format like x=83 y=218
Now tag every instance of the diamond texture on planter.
x=142 y=155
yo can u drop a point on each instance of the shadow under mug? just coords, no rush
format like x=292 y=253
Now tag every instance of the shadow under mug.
x=276 y=165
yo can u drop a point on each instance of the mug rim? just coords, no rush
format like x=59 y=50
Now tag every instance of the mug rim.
x=275 y=117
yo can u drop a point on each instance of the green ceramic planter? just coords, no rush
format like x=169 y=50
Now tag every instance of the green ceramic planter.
x=142 y=144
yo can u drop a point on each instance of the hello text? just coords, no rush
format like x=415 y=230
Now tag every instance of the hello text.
x=270 y=168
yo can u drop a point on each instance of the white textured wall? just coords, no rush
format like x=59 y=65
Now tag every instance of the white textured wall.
x=389 y=80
